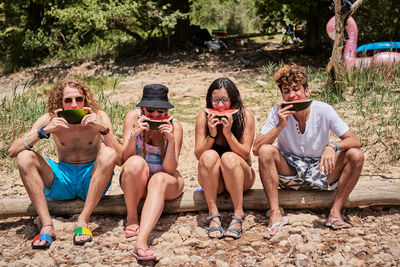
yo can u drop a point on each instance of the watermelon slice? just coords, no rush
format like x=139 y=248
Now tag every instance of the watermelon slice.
x=155 y=122
x=298 y=105
x=221 y=114
x=73 y=116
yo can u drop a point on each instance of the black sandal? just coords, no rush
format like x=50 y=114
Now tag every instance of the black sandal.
x=234 y=230
x=214 y=229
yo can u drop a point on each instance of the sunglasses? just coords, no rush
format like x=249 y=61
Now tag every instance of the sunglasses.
x=68 y=100
x=224 y=100
x=159 y=110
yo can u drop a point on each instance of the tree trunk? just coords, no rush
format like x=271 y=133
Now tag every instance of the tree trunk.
x=336 y=69
x=372 y=194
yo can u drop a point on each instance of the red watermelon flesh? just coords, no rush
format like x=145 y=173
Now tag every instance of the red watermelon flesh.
x=221 y=113
x=155 y=122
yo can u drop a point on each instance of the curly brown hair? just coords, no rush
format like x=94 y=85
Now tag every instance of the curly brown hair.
x=55 y=100
x=290 y=74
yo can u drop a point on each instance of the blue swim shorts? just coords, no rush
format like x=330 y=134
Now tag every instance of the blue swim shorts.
x=70 y=181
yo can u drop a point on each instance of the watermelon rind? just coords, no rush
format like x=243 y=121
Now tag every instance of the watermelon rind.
x=73 y=116
x=154 y=123
x=233 y=112
x=298 y=105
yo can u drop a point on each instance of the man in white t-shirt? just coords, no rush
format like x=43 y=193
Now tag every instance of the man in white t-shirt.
x=303 y=157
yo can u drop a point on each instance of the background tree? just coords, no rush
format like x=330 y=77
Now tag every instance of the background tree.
x=336 y=69
x=276 y=13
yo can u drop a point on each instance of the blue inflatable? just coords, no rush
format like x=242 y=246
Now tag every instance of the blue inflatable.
x=377 y=46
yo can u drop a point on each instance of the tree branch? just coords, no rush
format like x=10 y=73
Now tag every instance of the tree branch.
x=355 y=6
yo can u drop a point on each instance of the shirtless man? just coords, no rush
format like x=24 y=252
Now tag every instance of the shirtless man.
x=304 y=158
x=85 y=167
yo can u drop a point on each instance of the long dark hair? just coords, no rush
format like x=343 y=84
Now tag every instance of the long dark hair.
x=236 y=102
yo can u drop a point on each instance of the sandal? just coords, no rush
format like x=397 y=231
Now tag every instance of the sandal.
x=82 y=231
x=238 y=232
x=336 y=223
x=129 y=232
x=43 y=236
x=143 y=258
x=214 y=229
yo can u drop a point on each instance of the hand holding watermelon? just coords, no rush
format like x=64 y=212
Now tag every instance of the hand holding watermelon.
x=56 y=123
x=212 y=122
x=284 y=114
x=227 y=124
x=168 y=130
x=141 y=126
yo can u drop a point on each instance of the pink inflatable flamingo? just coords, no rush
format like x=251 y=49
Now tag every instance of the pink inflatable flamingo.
x=350 y=50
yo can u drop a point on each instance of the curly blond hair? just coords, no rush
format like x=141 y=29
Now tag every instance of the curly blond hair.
x=55 y=100
x=146 y=139
x=289 y=74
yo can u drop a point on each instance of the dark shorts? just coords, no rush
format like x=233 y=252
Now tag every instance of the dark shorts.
x=308 y=175
x=70 y=181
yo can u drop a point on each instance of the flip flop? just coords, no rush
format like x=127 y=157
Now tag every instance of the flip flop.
x=238 y=232
x=335 y=223
x=142 y=258
x=214 y=229
x=82 y=231
x=131 y=232
x=43 y=236
x=280 y=224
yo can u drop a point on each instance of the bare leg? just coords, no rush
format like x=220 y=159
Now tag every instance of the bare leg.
x=35 y=174
x=271 y=162
x=101 y=176
x=209 y=175
x=348 y=170
x=134 y=177
x=238 y=177
x=162 y=186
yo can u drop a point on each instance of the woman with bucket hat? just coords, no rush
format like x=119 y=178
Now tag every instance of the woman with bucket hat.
x=150 y=165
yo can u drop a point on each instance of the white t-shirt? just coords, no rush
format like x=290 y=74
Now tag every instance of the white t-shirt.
x=316 y=135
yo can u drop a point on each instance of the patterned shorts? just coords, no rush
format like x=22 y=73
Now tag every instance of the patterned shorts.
x=308 y=176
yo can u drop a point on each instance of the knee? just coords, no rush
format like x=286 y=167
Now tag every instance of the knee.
x=133 y=167
x=107 y=156
x=157 y=183
x=355 y=156
x=229 y=161
x=209 y=159
x=267 y=153
x=25 y=159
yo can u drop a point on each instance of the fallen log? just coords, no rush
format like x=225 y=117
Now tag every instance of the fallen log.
x=387 y=194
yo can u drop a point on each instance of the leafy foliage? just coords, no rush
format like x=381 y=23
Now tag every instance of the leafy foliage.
x=378 y=21
x=33 y=31
x=234 y=16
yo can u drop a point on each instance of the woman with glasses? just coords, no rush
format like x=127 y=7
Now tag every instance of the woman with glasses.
x=150 y=166
x=222 y=147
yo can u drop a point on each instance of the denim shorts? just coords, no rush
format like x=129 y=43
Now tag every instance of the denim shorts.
x=70 y=181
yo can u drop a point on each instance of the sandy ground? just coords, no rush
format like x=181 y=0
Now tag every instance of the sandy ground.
x=180 y=240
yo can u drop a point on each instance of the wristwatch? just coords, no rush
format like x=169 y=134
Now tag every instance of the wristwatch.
x=42 y=134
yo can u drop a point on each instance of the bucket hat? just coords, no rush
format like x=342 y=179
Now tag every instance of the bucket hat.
x=155 y=96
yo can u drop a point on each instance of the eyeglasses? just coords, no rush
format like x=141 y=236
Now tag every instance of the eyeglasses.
x=224 y=100
x=159 y=110
x=68 y=100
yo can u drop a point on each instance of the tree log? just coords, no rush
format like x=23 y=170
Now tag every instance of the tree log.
x=384 y=194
